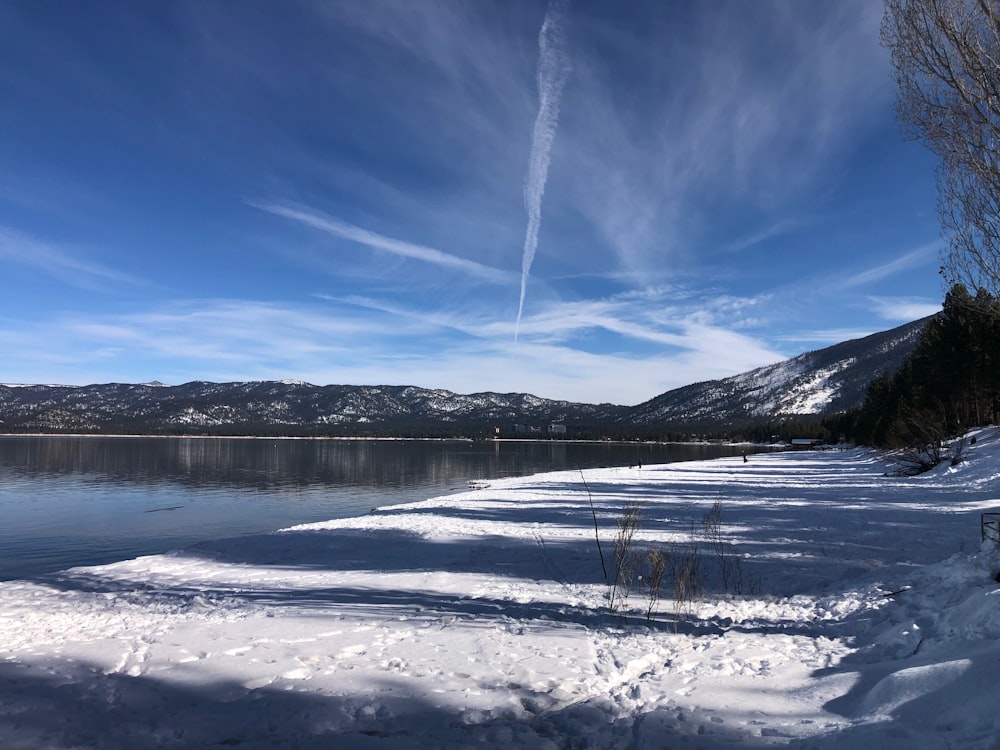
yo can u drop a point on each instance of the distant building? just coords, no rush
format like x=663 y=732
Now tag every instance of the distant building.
x=522 y=428
x=557 y=429
x=803 y=443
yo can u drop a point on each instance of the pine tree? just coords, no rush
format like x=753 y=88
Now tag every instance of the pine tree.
x=950 y=382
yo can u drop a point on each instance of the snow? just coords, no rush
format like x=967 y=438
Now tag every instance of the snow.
x=35 y=385
x=872 y=620
x=813 y=394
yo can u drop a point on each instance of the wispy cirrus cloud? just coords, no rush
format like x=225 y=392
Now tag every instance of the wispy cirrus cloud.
x=776 y=229
x=825 y=336
x=728 y=130
x=337 y=228
x=631 y=325
x=557 y=346
x=693 y=200
x=903 y=309
x=69 y=266
x=225 y=340
x=912 y=259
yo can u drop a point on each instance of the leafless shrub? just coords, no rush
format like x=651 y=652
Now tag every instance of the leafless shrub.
x=958 y=449
x=735 y=575
x=682 y=564
x=913 y=461
x=625 y=568
x=922 y=437
x=719 y=545
x=687 y=578
x=657 y=561
x=730 y=563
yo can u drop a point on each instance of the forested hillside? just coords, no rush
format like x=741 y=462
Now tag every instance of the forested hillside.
x=951 y=381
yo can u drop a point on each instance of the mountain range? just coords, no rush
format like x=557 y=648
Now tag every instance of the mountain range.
x=820 y=382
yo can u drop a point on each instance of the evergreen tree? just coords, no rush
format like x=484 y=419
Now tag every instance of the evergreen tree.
x=948 y=384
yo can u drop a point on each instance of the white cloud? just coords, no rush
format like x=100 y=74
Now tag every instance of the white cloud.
x=71 y=267
x=715 y=132
x=553 y=71
x=778 y=228
x=826 y=336
x=368 y=342
x=903 y=309
x=727 y=125
x=658 y=350
x=912 y=259
x=342 y=229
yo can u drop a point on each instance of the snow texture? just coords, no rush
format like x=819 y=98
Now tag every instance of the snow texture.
x=481 y=619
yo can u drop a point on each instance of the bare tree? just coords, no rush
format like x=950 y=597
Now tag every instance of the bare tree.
x=946 y=63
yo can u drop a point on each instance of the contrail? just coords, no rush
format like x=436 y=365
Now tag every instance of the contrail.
x=553 y=70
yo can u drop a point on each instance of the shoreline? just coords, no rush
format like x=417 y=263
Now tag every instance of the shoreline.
x=540 y=441
x=87 y=500
x=383 y=630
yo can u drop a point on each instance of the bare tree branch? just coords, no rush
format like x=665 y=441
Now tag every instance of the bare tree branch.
x=946 y=63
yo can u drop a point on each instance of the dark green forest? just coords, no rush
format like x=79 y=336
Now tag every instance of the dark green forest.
x=950 y=383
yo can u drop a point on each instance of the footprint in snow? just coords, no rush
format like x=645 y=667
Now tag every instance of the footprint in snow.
x=261 y=682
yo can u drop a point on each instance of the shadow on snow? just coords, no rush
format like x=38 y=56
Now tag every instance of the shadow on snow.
x=74 y=704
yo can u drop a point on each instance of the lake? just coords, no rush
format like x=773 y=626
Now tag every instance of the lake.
x=68 y=501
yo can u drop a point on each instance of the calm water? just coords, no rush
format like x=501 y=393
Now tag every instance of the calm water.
x=67 y=501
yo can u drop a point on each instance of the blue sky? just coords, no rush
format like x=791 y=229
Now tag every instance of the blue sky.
x=343 y=192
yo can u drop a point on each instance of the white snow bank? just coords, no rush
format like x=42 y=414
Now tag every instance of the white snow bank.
x=481 y=619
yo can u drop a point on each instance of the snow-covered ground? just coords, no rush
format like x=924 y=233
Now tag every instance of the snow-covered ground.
x=873 y=620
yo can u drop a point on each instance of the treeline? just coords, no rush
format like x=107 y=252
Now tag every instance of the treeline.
x=950 y=383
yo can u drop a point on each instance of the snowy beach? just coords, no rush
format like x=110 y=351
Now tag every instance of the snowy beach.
x=869 y=617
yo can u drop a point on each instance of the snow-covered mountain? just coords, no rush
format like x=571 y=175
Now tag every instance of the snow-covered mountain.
x=822 y=381
x=256 y=406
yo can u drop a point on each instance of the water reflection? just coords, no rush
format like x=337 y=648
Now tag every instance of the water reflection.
x=275 y=464
x=70 y=501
